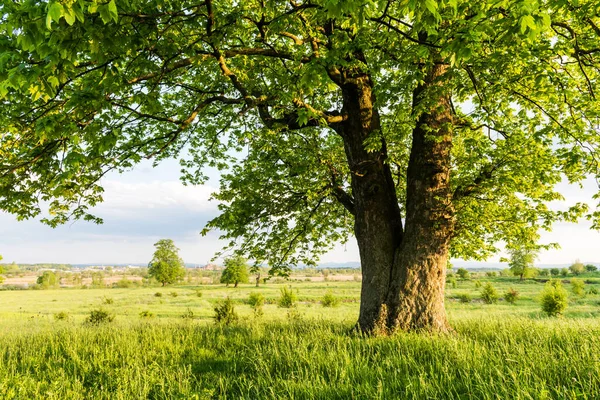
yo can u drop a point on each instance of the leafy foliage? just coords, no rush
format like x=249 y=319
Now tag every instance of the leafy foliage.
x=554 y=298
x=577 y=268
x=166 y=265
x=89 y=87
x=236 y=271
x=522 y=258
x=287 y=298
x=225 y=312
x=511 y=296
x=99 y=316
x=47 y=280
x=329 y=300
x=489 y=294
x=577 y=287
x=463 y=273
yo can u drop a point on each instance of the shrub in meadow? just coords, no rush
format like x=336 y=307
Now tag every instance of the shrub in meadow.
x=158 y=294
x=463 y=273
x=146 y=314
x=107 y=300
x=451 y=281
x=464 y=297
x=287 y=298
x=592 y=290
x=99 y=316
x=257 y=301
x=329 y=300
x=511 y=296
x=188 y=314
x=577 y=287
x=489 y=295
x=225 y=312
x=478 y=284
x=61 y=316
x=554 y=298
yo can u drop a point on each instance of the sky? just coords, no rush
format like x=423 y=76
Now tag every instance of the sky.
x=147 y=204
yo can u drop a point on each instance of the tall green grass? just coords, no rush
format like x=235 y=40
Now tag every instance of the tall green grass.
x=514 y=359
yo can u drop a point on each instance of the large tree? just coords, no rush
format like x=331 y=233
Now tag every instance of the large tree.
x=166 y=265
x=236 y=271
x=427 y=129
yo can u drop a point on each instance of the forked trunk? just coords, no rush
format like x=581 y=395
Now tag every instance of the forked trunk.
x=403 y=271
x=416 y=299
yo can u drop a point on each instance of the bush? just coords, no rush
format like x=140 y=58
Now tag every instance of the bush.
x=554 y=271
x=99 y=316
x=592 y=290
x=107 y=300
x=489 y=295
x=544 y=272
x=198 y=293
x=124 y=283
x=287 y=298
x=329 y=300
x=577 y=287
x=591 y=268
x=451 y=282
x=564 y=272
x=188 y=314
x=464 y=297
x=256 y=300
x=511 y=296
x=158 y=294
x=491 y=274
x=554 y=298
x=173 y=294
x=47 y=280
x=477 y=284
x=61 y=316
x=146 y=314
x=463 y=273
x=225 y=312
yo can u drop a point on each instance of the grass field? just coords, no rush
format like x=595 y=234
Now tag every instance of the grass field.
x=498 y=351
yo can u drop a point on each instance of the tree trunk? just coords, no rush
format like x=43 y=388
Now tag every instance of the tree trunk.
x=416 y=297
x=235 y=284
x=403 y=268
x=257 y=279
x=377 y=221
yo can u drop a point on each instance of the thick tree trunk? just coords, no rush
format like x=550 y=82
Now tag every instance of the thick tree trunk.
x=416 y=299
x=403 y=271
x=377 y=221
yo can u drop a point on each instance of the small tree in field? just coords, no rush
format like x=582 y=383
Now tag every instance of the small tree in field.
x=47 y=280
x=577 y=268
x=236 y=271
x=591 y=268
x=554 y=271
x=521 y=260
x=463 y=273
x=166 y=265
x=564 y=272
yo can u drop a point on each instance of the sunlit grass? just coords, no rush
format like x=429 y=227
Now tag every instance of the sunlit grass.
x=497 y=351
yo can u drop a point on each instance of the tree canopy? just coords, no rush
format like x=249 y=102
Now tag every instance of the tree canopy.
x=166 y=265
x=443 y=122
x=236 y=271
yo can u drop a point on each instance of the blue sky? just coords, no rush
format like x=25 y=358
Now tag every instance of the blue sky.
x=148 y=204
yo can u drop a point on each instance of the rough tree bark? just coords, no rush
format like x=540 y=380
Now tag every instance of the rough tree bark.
x=416 y=296
x=403 y=268
x=377 y=219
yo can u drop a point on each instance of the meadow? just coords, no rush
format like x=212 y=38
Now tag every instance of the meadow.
x=167 y=346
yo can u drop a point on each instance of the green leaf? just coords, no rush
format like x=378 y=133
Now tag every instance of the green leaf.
x=55 y=11
x=112 y=10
